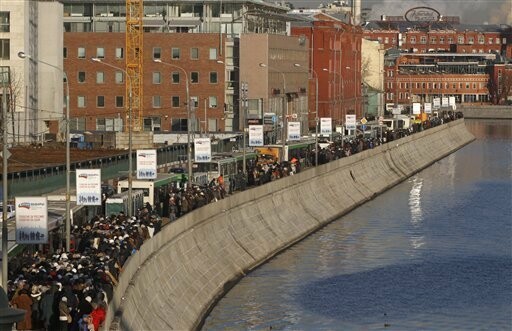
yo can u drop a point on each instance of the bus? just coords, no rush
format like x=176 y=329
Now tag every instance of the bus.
x=293 y=149
x=153 y=188
x=119 y=202
x=227 y=164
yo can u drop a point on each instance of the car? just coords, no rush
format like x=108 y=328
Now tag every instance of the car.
x=176 y=170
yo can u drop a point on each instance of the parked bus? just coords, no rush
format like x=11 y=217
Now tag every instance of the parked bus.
x=227 y=164
x=119 y=202
x=296 y=149
x=153 y=188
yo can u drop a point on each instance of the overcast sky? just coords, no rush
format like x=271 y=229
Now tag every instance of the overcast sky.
x=470 y=11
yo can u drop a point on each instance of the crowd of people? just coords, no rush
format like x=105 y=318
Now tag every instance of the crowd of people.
x=71 y=290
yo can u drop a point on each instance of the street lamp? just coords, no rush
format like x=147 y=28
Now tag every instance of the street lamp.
x=130 y=129
x=285 y=107
x=189 y=147
x=23 y=55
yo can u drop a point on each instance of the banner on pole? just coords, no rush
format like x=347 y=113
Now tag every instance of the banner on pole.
x=146 y=164
x=31 y=220
x=294 y=131
x=255 y=135
x=325 y=126
x=88 y=187
x=350 y=121
x=202 y=150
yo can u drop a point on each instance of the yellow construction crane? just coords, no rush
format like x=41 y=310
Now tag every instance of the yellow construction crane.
x=134 y=58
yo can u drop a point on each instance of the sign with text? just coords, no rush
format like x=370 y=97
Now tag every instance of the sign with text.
x=88 y=187
x=146 y=164
x=293 y=130
x=416 y=108
x=437 y=103
x=202 y=150
x=325 y=126
x=427 y=107
x=444 y=102
x=255 y=135
x=350 y=121
x=451 y=101
x=31 y=220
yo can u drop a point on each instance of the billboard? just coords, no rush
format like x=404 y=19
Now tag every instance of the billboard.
x=427 y=106
x=31 y=220
x=88 y=187
x=202 y=150
x=146 y=164
x=325 y=126
x=350 y=121
x=255 y=135
x=293 y=130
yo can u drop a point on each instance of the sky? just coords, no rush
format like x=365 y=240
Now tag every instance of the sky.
x=470 y=11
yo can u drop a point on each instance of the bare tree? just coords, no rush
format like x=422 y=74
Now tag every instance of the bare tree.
x=15 y=88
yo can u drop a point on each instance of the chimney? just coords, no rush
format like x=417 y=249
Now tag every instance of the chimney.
x=356 y=12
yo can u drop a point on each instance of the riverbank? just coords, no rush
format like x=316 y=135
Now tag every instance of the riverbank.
x=487 y=112
x=175 y=278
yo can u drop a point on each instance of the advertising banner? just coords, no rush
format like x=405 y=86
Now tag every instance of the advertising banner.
x=88 y=187
x=325 y=126
x=146 y=164
x=437 y=103
x=451 y=101
x=255 y=135
x=202 y=150
x=350 y=121
x=444 y=102
x=293 y=130
x=31 y=220
x=427 y=107
x=416 y=108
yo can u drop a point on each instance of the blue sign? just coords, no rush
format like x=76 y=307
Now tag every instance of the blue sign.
x=363 y=127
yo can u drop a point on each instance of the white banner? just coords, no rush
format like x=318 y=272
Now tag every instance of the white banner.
x=437 y=103
x=202 y=150
x=146 y=164
x=350 y=121
x=88 y=187
x=31 y=220
x=293 y=130
x=416 y=108
x=255 y=135
x=444 y=102
x=325 y=126
x=451 y=101
x=427 y=107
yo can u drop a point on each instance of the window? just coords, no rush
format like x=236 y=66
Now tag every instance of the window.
x=175 y=53
x=194 y=100
x=212 y=102
x=81 y=52
x=5 y=47
x=423 y=39
x=213 y=53
x=471 y=40
x=100 y=101
x=4 y=21
x=179 y=124
x=413 y=40
x=481 y=40
x=100 y=77
x=65 y=53
x=386 y=40
x=460 y=39
x=119 y=101
x=194 y=77
x=119 y=53
x=213 y=77
x=156 y=78
x=450 y=40
x=156 y=101
x=441 y=40
x=433 y=40
x=157 y=53
x=80 y=101
x=497 y=41
x=175 y=101
x=175 y=77
x=100 y=53
x=119 y=77
x=81 y=76
x=194 y=53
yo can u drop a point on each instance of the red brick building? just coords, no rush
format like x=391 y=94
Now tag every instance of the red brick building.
x=335 y=59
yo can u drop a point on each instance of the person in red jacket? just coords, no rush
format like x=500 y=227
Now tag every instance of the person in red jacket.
x=98 y=315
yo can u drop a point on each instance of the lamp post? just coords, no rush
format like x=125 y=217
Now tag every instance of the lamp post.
x=189 y=147
x=285 y=108
x=130 y=129
x=5 y=237
x=23 y=55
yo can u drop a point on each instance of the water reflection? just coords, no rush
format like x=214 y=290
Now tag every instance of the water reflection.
x=417 y=238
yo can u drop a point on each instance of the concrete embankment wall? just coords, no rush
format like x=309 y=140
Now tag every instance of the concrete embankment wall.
x=173 y=281
x=487 y=112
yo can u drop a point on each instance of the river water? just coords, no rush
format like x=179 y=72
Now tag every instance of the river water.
x=433 y=253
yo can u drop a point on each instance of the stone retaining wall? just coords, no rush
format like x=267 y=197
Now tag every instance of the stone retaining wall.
x=176 y=277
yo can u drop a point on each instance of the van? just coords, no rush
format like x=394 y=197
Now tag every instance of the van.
x=11 y=211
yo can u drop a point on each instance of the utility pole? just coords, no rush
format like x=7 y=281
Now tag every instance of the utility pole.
x=245 y=88
x=5 y=156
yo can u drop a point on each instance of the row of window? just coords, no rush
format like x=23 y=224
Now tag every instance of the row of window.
x=176 y=101
x=5 y=21
x=460 y=40
x=176 y=53
x=436 y=85
x=157 y=77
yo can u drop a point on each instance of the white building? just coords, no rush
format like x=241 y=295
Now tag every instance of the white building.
x=35 y=28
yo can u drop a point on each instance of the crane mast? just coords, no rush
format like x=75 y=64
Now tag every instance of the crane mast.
x=134 y=58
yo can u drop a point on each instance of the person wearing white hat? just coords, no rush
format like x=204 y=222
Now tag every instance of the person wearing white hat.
x=64 y=314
